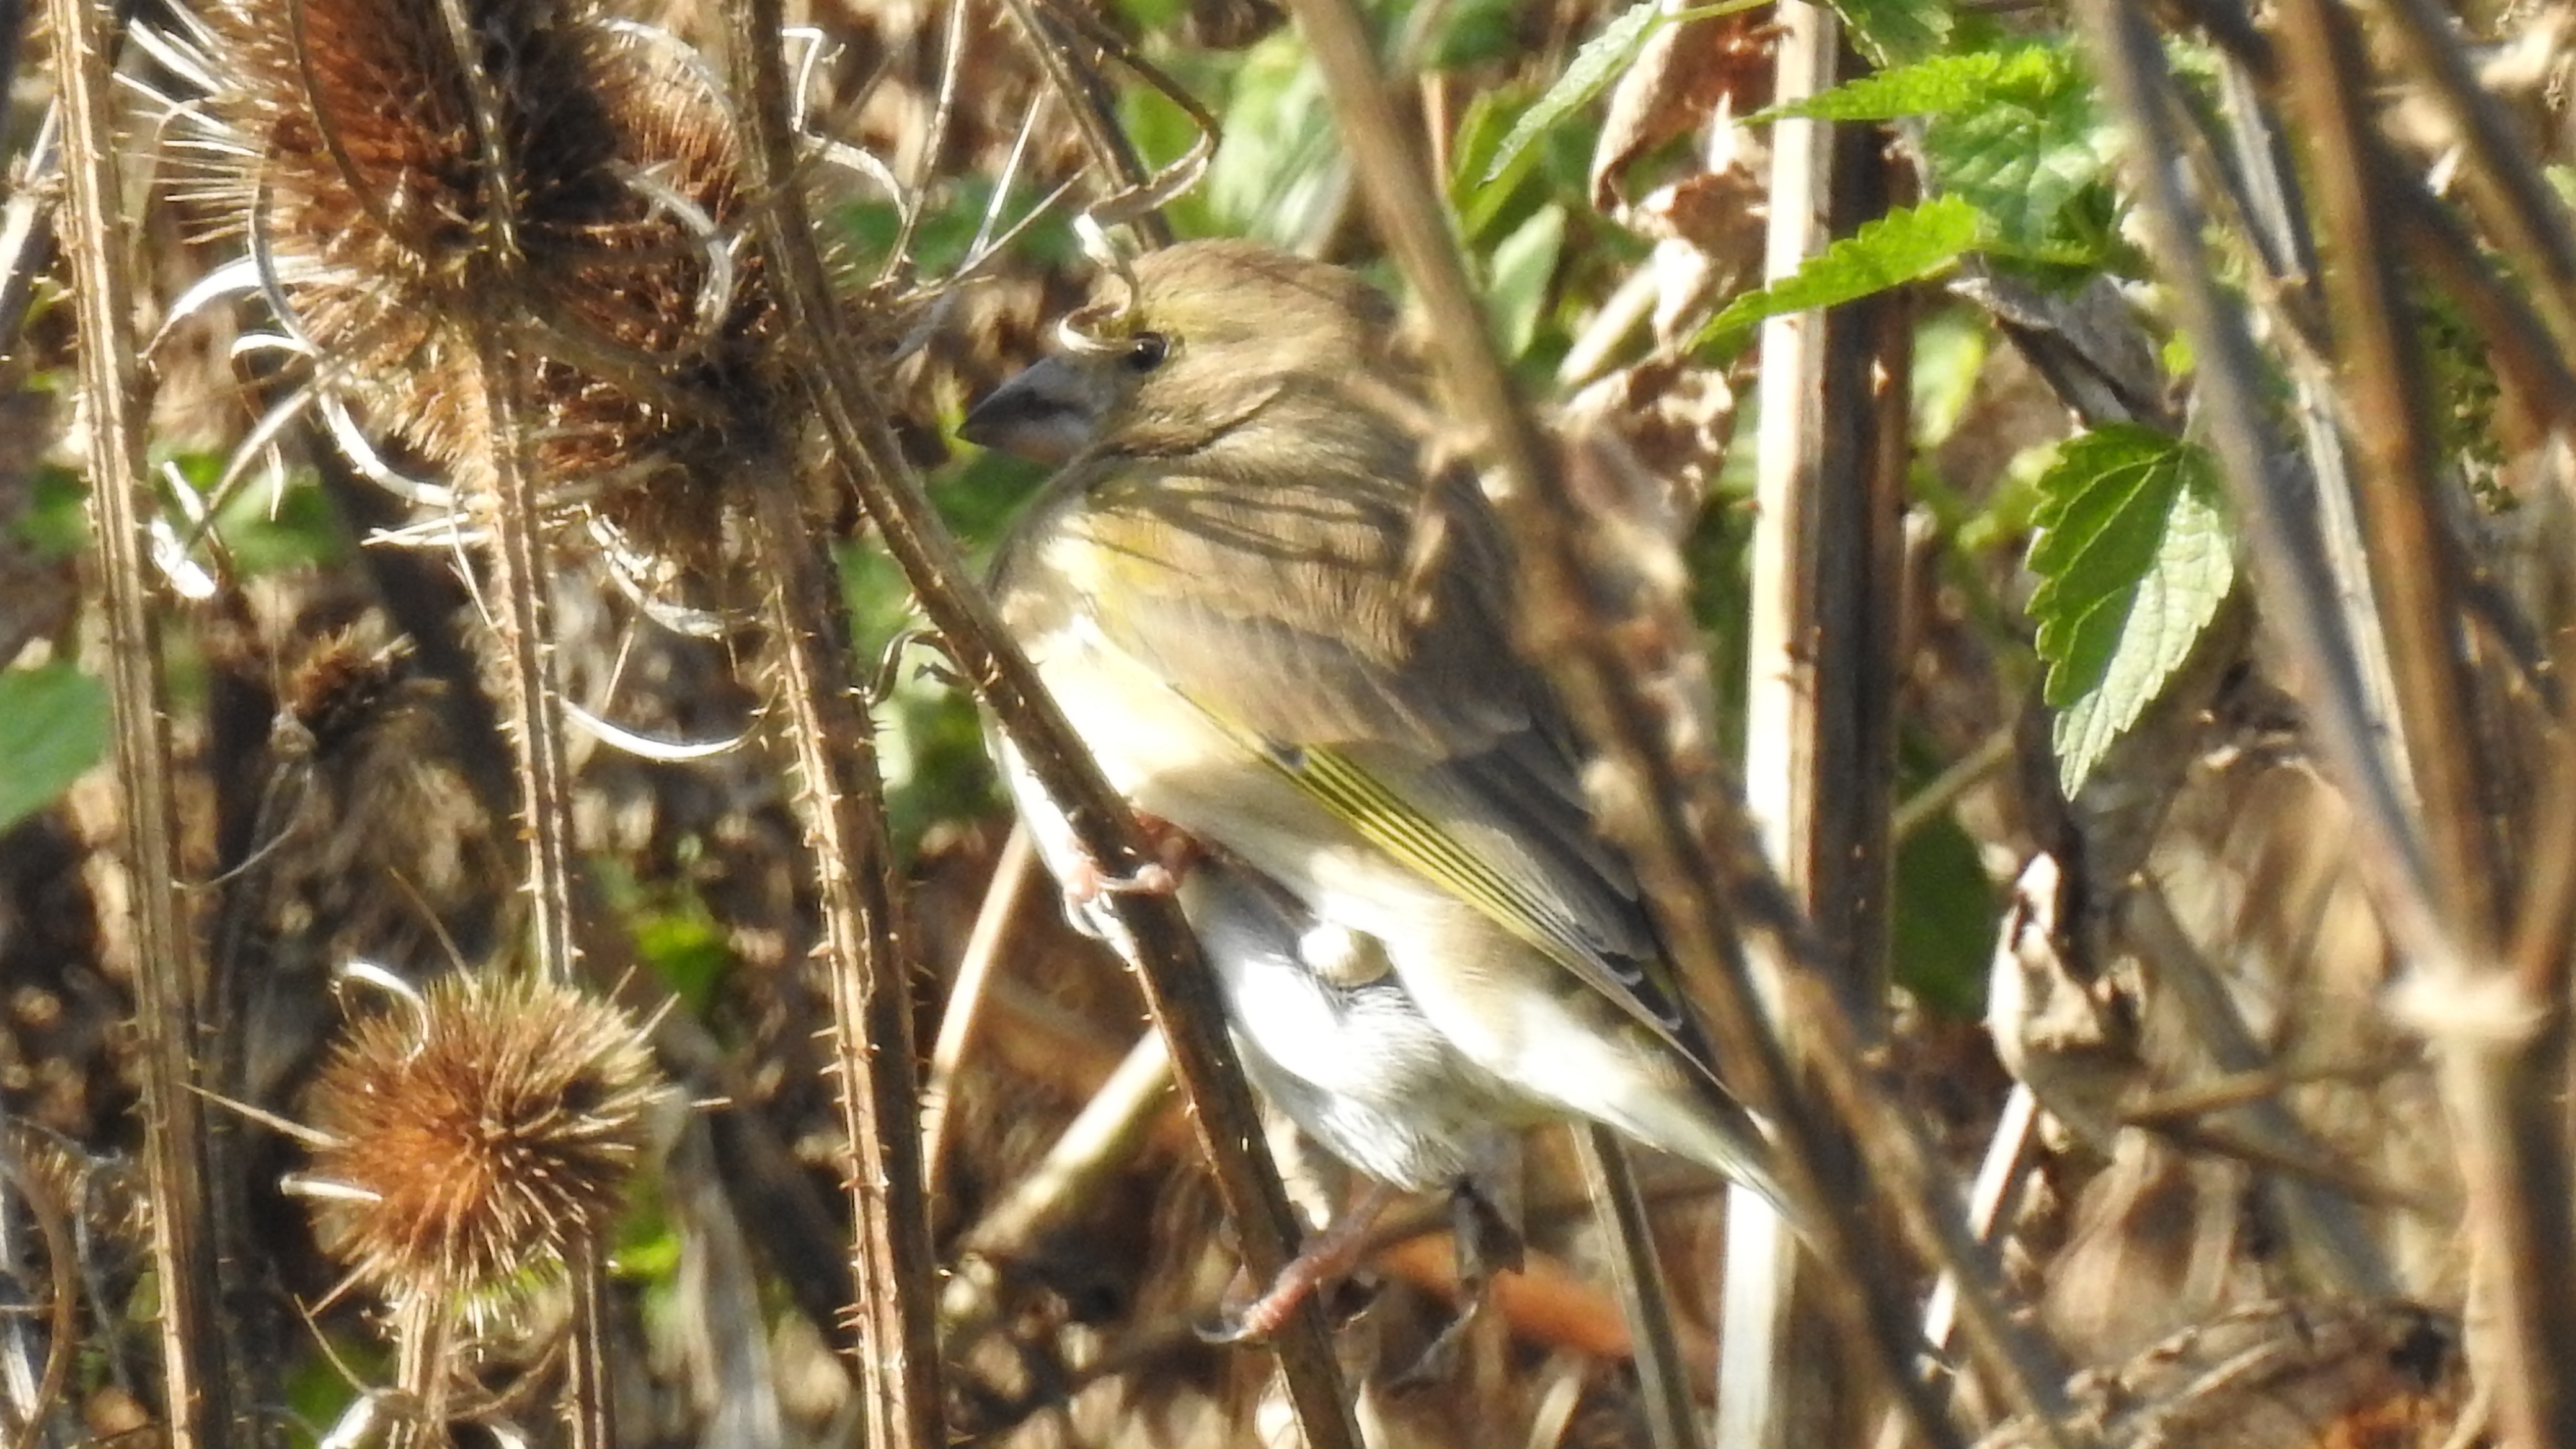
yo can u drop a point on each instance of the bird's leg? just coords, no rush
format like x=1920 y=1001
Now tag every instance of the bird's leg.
x=1175 y=850
x=1331 y=1255
x=1486 y=1244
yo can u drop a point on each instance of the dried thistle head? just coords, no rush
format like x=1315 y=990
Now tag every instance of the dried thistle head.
x=463 y=1148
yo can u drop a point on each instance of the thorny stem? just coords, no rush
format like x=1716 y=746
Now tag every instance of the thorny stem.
x=536 y=716
x=1159 y=943
x=870 y=975
x=525 y=589
x=196 y=1386
x=1694 y=862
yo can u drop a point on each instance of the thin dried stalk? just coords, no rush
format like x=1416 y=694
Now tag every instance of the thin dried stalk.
x=870 y=979
x=2443 y=924
x=1683 y=832
x=966 y=996
x=196 y=1386
x=1663 y=1374
x=2514 y=1148
x=1092 y=107
x=1157 y=941
x=62 y=1310
x=27 y=229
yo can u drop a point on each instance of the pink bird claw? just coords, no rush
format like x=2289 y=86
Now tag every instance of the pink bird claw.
x=1326 y=1259
x=1175 y=850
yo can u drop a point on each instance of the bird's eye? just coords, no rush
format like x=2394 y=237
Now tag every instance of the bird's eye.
x=1146 y=351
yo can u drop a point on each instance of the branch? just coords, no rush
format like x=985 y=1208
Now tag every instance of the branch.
x=1157 y=942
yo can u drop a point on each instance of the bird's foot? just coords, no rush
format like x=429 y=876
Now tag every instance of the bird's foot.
x=1487 y=1244
x=1174 y=851
x=1330 y=1256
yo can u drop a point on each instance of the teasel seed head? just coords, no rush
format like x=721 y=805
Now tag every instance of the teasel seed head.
x=345 y=152
x=466 y=1144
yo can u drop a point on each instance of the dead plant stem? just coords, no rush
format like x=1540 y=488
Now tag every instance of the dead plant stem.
x=196 y=1383
x=1159 y=944
x=870 y=975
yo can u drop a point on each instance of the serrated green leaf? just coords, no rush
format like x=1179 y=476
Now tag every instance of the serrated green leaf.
x=1594 y=67
x=1586 y=77
x=1523 y=264
x=1905 y=245
x=53 y=726
x=1896 y=32
x=2134 y=557
x=1938 y=86
x=2025 y=153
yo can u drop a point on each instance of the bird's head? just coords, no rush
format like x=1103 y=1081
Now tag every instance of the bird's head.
x=1219 y=342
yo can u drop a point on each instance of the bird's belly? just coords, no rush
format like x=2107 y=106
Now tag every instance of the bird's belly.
x=1356 y=1066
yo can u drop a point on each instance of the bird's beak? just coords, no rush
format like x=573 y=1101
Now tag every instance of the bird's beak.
x=1046 y=414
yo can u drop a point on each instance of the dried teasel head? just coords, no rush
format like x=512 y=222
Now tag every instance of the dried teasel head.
x=465 y=1145
x=559 y=179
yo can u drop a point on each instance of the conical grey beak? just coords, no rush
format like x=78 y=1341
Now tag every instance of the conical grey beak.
x=1046 y=414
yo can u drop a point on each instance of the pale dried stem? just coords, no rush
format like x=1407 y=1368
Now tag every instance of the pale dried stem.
x=966 y=998
x=196 y=1385
x=1820 y=700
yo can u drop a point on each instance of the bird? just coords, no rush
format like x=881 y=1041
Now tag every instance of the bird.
x=1283 y=628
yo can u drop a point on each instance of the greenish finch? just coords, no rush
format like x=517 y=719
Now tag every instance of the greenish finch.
x=1286 y=637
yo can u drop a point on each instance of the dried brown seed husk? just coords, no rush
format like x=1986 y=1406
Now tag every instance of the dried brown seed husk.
x=645 y=349
x=476 y=1141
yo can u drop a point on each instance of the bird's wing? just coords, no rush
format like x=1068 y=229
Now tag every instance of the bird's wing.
x=1385 y=691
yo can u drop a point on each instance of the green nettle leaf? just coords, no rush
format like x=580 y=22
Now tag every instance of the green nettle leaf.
x=1938 y=86
x=2134 y=557
x=1522 y=266
x=1905 y=245
x=53 y=726
x=2014 y=132
x=2026 y=152
x=1893 y=32
x=1594 y=67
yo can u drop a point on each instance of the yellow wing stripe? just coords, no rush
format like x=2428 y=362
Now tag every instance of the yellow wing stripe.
x=1393 y=824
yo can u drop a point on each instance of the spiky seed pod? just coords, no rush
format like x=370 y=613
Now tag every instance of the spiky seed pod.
x=467 y=1146
x=344 y=151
